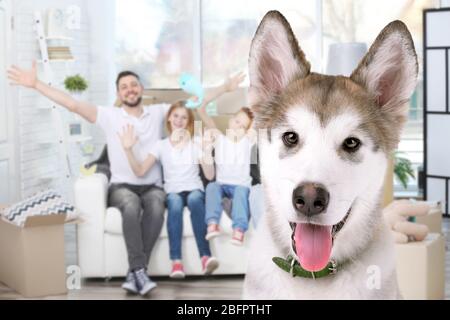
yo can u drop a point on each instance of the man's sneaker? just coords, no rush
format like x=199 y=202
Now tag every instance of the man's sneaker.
x=238 y=237
x=212 y=231
x=129 y=284
x=143 y=282
x=209 y=264
x=177 y=271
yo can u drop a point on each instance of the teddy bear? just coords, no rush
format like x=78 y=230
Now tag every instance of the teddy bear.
x=400 y=216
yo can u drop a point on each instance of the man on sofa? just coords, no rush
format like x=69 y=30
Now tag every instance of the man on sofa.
x=141 y=200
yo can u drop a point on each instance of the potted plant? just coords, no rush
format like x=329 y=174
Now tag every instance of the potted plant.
x=402 y=169
x=75 y=84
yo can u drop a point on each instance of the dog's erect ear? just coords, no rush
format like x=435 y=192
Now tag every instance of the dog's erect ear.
x=389 y=70
x=275 y=58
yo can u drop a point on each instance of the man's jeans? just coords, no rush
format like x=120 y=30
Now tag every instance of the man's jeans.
x=142 y=209
x=195 y=201
x=239 y=212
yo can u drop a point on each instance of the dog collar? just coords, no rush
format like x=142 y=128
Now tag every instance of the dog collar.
x=292 y=266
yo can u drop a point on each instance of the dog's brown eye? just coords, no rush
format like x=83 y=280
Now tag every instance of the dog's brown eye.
x=290 y=139
x=351 y=144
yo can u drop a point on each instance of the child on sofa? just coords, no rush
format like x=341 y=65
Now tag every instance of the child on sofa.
x=233 y=180
x=180 y=157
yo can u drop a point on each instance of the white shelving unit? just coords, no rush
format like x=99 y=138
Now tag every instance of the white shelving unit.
x=58 y=121
x=57 y=60
x=79 y=139
x=63 y=147
x=46 y=143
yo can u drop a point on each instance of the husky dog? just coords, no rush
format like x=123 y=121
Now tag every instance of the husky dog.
x=324 y=151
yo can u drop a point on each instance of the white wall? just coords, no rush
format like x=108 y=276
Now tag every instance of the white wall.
x=103 y=71
x=91 y=49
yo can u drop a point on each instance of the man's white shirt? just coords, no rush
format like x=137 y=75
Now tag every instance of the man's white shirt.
x=149 y=128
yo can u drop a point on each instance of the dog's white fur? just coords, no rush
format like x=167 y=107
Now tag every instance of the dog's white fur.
x=345 y=182
x=365 y=243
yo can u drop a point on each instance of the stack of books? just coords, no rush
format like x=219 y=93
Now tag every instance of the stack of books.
x=59 y=53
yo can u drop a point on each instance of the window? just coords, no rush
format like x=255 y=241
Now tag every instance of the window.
x=155 y=39
x=228 y=28
x=160 y=39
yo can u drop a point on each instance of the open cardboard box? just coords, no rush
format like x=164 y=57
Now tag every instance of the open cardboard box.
x=421 y=268
x=32 y=257
x=433 y=220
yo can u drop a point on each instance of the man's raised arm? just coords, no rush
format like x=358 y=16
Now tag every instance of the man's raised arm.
x=28 y=78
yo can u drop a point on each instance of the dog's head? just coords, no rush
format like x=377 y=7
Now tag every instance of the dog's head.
x=325 y=140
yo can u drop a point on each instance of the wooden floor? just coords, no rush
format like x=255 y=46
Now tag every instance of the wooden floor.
x=195 y=288
x=191 y=288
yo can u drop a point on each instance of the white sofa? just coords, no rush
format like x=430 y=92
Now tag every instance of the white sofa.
x=101 y=246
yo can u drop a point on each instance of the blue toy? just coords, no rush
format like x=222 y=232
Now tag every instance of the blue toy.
x=192 y=86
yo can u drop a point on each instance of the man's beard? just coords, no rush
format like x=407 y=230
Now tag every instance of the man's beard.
x=133 y=105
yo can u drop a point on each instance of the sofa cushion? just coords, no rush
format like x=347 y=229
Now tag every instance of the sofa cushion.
x=113 y=223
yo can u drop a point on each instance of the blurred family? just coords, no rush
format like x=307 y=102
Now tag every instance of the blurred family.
x=198 y=171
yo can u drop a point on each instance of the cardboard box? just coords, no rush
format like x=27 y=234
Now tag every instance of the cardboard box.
x=421 y=268
x=32 y=258
x=433 y=220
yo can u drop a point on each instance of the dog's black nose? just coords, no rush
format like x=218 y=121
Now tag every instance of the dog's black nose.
x=310 y=198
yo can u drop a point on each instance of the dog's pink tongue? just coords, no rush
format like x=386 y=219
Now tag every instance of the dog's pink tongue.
x=313 y=244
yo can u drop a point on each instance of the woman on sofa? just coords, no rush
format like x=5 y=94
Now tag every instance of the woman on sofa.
x=180 y=157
